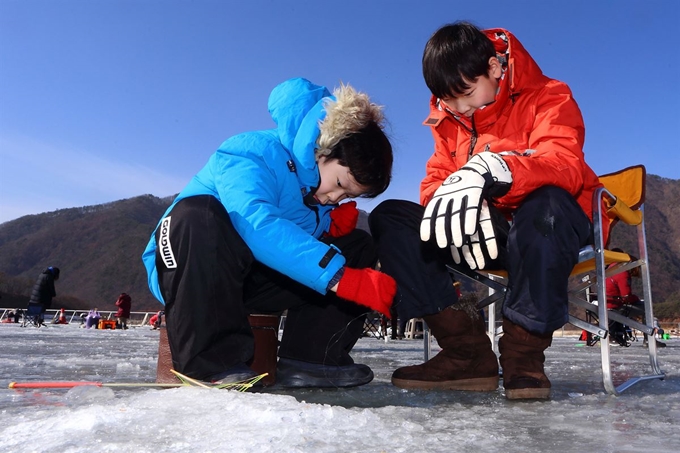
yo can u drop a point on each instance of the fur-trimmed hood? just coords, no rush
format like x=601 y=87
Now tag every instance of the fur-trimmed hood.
x=310 y=121
x=347 y=112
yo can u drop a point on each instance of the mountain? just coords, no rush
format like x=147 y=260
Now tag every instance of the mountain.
x=98 y=249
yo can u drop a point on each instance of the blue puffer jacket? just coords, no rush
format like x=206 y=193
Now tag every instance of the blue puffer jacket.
x=260 y=178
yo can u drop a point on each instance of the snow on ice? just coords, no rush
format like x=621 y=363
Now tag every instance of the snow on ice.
x=376 y=417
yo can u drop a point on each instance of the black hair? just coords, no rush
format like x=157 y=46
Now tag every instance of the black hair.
x=368 y=155
x=456 y=54
x=54 y=271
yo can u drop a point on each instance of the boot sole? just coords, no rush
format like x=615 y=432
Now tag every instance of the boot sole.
x=527 y=394
x=297 y=374
x=321 y=383
x=487 y=384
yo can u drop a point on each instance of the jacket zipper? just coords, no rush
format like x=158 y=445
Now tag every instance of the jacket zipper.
x=473 y=138
x=472 y=131
x=318 y=218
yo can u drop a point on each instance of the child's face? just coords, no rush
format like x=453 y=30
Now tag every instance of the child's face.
x=336 y=184
x=481 y=93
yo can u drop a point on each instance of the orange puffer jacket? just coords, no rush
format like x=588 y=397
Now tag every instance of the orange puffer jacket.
x=533 y=115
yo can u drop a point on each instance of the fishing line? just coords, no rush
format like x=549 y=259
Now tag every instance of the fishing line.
x=332 y=342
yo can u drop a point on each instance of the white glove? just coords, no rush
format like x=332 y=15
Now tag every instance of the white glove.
x=483 y=240
x=453 y=212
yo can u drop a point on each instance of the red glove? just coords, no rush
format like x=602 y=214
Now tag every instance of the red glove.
x=344 y=219
x=369 y=288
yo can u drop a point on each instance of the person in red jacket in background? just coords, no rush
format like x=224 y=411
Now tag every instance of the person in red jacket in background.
x=620 y=296
x=124 y=304
x=156 y=320
x=618 y=286
x=508 y=145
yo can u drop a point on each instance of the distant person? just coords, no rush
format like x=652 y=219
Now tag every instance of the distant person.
x=156 y=320
x=43 y=292
x=124 y=304
x=260 y=230
x=394 y=323
x=12 y=316
x=92 y=319
x=17 y=315
x=620 y=297
x=403 y=322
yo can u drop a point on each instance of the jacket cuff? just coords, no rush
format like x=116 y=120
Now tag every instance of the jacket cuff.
x=336 y=278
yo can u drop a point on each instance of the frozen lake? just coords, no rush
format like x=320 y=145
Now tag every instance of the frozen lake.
x=374 y=418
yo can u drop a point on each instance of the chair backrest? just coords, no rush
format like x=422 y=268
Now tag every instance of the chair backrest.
x=628 y=186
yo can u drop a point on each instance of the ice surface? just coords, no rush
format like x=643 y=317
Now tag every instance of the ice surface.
x=373 y=418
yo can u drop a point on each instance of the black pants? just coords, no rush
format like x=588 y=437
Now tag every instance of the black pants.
x=546 y=234
x=217 y=283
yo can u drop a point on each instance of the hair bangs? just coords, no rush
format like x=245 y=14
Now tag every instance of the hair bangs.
x=456 y=55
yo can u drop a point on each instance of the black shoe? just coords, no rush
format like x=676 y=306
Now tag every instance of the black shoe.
x=237 y=373
x=295 y=374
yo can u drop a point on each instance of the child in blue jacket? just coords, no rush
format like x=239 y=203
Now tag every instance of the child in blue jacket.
x=260 y=230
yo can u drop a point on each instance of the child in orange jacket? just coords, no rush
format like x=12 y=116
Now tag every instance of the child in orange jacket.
x=507 y=146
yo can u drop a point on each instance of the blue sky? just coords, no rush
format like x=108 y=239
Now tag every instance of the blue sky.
x=110 y=99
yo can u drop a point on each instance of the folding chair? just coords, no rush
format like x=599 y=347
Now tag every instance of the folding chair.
x=623 y=196
x=33 y=315
x=373 y=326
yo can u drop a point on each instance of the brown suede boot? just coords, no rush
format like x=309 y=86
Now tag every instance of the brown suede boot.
x=466 y=361
x=522 y=361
